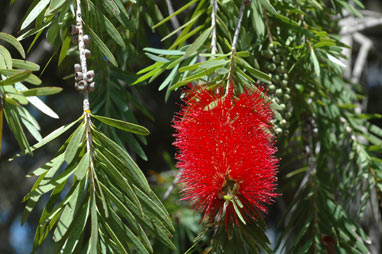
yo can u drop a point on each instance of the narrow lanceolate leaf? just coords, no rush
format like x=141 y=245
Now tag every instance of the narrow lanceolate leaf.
x=26 y=65
x=131 y=167
x=94 y=227
x=74 y=143
x=67 y=215
x=102 y=46
x=4 y=53
x=315 y=62
x=77 y=228
x=35 y=101
x=53 y=135
x=40 y=105
x=42 y=91
x=32 y=79
x=122 y=125
x=82 y=167
x=14 y=124
x=197 y=43
x=14 y=78
x=14 y=42
x=34 y=13
x=164 y=52
x=176 y=13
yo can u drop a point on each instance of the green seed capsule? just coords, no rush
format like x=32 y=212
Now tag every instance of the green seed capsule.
x=286 y=133
x=279 y=92
x=281 y=69
x=283 y=123
x=285 y=76
x=276 y=59
x=272 y=88
x=276 y=78
x=282 y=107
x=279 y=130
x=268 y=53
x=272 y=46
x=271 y=67
x=286 y=97
x=287 y=90
x=288 y=115
x=284 y=83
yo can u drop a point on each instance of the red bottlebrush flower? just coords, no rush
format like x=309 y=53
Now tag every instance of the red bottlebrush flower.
x=225 y=149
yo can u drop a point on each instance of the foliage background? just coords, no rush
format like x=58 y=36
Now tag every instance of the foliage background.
x=14 y=185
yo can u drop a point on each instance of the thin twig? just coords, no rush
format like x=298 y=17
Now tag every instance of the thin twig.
x=213 y=24
x=171 y=187
x=266 y=21
x=86 y=104
x=360 y=62
x=234 y=46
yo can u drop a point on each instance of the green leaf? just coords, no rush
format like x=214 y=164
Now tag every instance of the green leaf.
x=74 y=143
x=77 y=228
x=94 y=227
x=119 y=181
x=131 y=167
x=268 y=6
x=34 y=13
x=14 y=78
x=4 y=53
x=157 y=58
x=164 y=52
x=82 y=167
x=26 y=65
x=102 y=46
x=156 y=209
x=315 y=62
x=113 y=32
x=185 y=7
x=32 y=79
x=197 y=43
x=125 y=206
x=14 y=42
x=169 y=78
x=30 y=123
x=42 y=91
x=53 y=135
x=122 y=125
x=35 y=101
x=55 y=4
x=14 y=124
x=214 y=63
x=67 y=215
x=64 y=49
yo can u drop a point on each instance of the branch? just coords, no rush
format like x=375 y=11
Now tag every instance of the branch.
x=174 y=20
x=171 y=187
x=266 y=21
x=234 y=45
x=352 y=25
x=213 y=24
x=359 y=64
x=86 y=76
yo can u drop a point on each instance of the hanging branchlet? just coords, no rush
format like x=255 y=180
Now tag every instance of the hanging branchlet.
x=234 y=46
x=84 y=81
x=213 y=24
x=84 y=78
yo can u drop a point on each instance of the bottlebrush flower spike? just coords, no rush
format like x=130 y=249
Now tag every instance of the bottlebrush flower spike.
x=225 y=149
